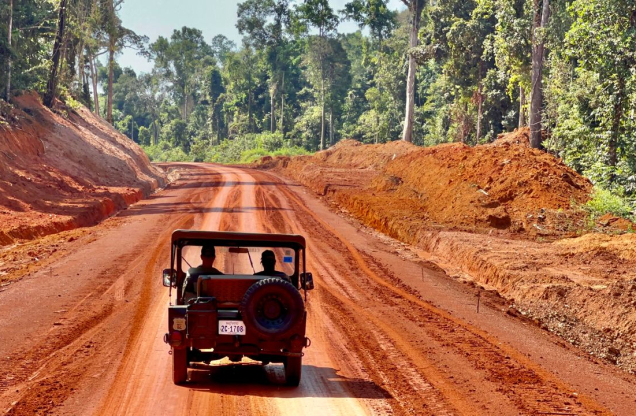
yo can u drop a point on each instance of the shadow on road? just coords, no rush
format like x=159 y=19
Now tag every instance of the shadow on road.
x=219 y=184
x=254 y=379
x=180 y=208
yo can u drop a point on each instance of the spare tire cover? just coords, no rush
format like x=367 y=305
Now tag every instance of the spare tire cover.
x=272 y=308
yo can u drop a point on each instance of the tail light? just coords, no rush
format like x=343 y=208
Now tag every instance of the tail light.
x=176 y=338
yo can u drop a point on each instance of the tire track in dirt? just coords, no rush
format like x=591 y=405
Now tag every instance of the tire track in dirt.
x=264 y=393
x=413 y=388
x=125 y=398
x=520 y=380
x=49 y=372
x=246 y=207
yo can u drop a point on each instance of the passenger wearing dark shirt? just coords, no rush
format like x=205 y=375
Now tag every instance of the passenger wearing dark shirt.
x=208 y=255
x=268 y=260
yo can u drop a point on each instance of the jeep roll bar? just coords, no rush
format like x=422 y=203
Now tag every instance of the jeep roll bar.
x=182 y=238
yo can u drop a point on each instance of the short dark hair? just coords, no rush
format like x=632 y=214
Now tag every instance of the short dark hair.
x=268 y=254
x=208 y=251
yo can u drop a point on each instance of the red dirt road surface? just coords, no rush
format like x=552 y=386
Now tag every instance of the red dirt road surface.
x=391 y=333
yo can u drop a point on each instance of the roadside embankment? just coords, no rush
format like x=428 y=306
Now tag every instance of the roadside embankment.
x=65 y=169
x=503 y=216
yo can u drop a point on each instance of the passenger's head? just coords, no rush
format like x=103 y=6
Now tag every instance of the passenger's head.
x=268 y=260
x=208 y=254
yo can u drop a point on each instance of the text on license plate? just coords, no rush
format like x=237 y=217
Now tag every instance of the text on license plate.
x=231 y=328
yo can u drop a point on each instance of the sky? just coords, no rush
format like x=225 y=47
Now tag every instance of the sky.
x=155 y=18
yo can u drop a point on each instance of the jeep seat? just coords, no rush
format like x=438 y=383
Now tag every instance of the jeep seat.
x=227 y=289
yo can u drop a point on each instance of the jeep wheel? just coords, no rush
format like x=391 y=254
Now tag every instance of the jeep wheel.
x=293 y=370
x=272 y=308
x=179 y=365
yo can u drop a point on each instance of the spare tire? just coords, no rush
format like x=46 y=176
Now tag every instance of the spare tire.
x=272 y=308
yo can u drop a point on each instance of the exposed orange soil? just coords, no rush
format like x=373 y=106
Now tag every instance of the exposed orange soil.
x=390 y=335
x=65 y=169
x=504 y=216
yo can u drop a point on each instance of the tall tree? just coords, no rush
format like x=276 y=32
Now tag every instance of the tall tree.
x=118 y=37
x=51 y=86
x=513 y=46
x=264 y=22
x=542 y=14
x=415 y=10
x=10 y=30
x=320 y=15
x=221 y=46
x=603 y=41
x=182 y=60
x=373 y=14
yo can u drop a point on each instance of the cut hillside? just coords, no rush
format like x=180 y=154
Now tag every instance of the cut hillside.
x=502 y=216
x=66 y=169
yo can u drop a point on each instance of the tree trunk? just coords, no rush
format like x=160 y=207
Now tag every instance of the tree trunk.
x=86 y=93
x=273 y=115
x=94 y=82
x=322 y=93
x=538 y=56
x=480 y=102
x=155 y=130
x=616 y=129
x=249 y=111
x=322 y=116
x=282 y=106
x=8 y=94
x=111 y=69
x=331 y=127
x=480 y=111
x=80 y=67
x=51 y=86
x=185 y=104
x=416 y=7
x=522 y=103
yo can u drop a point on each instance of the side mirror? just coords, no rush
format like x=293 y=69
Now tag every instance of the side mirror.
x=169 y=278
x=306 y=281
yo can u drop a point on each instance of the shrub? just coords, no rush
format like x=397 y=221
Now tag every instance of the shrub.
x=606 y=202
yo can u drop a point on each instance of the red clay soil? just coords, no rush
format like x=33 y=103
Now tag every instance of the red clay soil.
x=65 y=169
x=503 y=216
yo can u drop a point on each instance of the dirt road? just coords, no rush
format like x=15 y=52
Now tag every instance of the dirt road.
x=391 y=334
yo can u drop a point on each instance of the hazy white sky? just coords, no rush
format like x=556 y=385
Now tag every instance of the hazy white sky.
x=155 y=18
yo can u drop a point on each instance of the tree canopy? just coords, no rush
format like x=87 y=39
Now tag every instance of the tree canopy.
x=434 y=72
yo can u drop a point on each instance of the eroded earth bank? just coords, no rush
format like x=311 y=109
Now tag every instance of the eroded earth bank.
x=504 y=217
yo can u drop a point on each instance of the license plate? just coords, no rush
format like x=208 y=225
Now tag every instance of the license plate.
x=231 y=328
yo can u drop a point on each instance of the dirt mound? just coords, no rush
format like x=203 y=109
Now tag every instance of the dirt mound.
x=622 y=247
x=504 y=186
x=64 y=170
x=353 y=154
x=520 y=137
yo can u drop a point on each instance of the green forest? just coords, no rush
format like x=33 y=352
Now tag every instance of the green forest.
x=434 y=72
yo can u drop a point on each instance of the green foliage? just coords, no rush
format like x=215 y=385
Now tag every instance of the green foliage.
x=243 y=149
x=606 y=202
x=165 y=152
x=145 y=136
x=250 y=147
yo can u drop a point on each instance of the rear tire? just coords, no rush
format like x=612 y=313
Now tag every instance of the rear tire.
x=293 y=371
x=272 y=308
x=179 y=365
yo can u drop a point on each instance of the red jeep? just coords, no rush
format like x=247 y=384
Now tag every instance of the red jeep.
x=237 y=314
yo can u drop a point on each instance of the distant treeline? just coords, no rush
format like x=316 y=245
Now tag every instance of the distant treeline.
x=440 y=71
